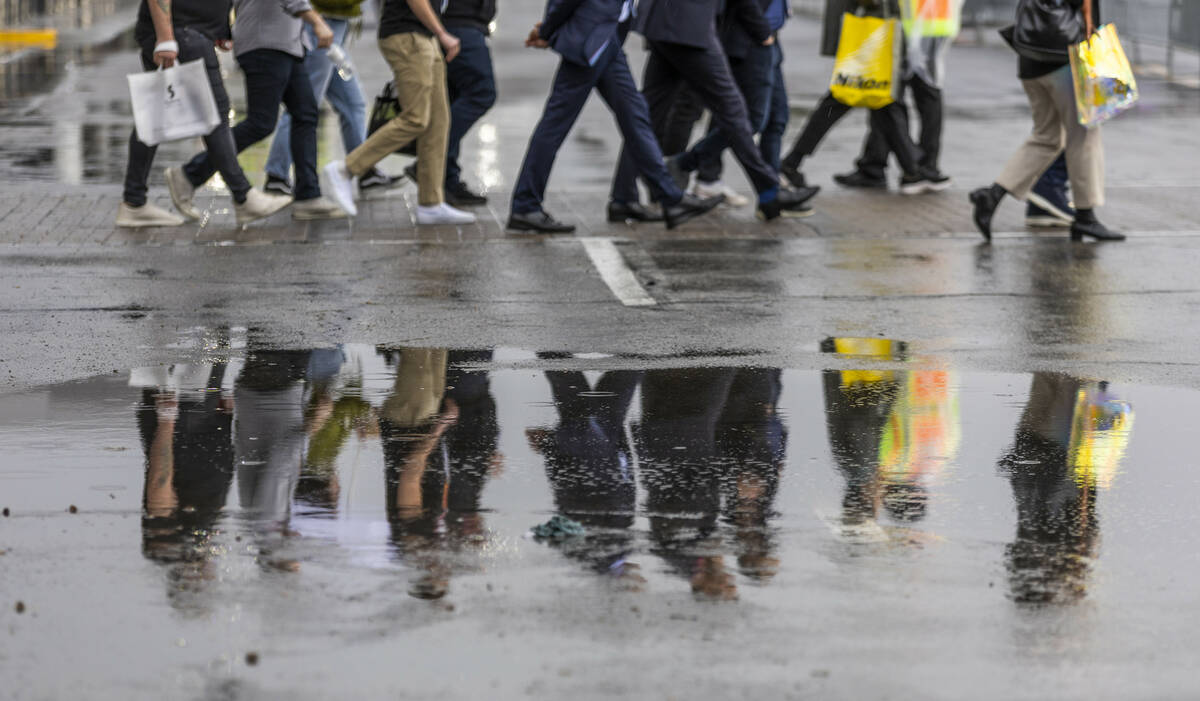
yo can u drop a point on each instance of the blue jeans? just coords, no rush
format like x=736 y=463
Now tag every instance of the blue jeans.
x=759 y=75
x=272 y=77
x=345 y=96
x=471 y=87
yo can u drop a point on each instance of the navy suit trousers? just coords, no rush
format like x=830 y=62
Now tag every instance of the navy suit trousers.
x=706 y=71
x=573 y=84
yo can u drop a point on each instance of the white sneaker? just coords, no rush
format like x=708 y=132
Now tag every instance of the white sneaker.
x=443 y=214
x=259 y=205
x=182 y=193
x=316 y=208
x=146 y=215
x=341 y=186
x=733 y=198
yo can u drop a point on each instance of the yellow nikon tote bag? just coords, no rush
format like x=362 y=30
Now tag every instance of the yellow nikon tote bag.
x=868 y=62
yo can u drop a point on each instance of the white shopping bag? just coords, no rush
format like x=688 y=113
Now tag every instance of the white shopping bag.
x=173 y=103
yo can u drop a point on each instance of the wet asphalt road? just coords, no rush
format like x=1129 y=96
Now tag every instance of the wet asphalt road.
x=285 y=487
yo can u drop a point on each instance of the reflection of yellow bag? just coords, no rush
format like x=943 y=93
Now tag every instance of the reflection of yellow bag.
x=1100 y=429
x=867 y=64
x=1104 y=82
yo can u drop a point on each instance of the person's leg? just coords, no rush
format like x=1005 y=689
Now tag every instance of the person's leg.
x=826 y=114
x=872 y=163
x=891 y=122
x=411 y=61
x=661 y=88
x=267 y=73
x=319 y=69
x=347 y=100
x=618 y=90
x=754 y=75
x=928 y=101
x=707 y=71
x=219 y=143
x=301 y=104
x=431 y=145
x=568 y=93
x=1042 y=146
x=675 y=132
x=141 y=156
x=472 y=89
x=1084 y=146
x=770 y=141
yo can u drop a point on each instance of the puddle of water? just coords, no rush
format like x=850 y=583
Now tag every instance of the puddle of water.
x=883 y=497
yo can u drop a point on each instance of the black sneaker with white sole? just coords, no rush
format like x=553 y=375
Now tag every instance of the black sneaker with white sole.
x=459 y=195
x=1037 y=217
x=925 y=180
x=278 y=186
x=377 y=181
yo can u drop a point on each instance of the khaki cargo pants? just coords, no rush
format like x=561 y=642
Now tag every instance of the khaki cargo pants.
x=420 y=74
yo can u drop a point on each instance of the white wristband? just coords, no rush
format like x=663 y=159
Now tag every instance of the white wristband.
x=172 y=46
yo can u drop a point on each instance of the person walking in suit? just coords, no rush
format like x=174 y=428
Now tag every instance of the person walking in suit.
x=685 y=50
x=749 y=33
x=589 y=35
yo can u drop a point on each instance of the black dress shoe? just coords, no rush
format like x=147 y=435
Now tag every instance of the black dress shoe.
x=459 y=195
x=790 y=202
x=986 y=200
x=538 y=222
x=860 y=179
x=631 y=211
x=689 y=207
x=1094 y=229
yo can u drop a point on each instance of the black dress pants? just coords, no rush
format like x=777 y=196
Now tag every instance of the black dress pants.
x=928 y=101
x=890 y=121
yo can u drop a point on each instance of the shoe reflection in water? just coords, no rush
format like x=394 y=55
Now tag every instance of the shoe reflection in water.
x=439 y=445
x=706 y=432
x=1068 y=445
x=186 y=434
x=590 y=469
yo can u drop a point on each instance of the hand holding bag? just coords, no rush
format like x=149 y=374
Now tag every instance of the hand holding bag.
x=1104 y=82
x=173 y=103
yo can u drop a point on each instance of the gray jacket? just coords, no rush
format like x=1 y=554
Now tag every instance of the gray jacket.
x=269 y=24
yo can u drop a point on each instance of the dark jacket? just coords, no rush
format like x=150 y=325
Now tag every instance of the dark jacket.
x=477 y=14
x=397 y=18
x=744 y=26
x=579 y=30
x=687 y=22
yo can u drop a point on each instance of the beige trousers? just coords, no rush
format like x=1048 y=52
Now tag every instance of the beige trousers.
x=1055 y=127
x=420 y=74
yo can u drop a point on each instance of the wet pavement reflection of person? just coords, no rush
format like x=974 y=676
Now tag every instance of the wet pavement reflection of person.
x=890 y=432
x=705 y=434
x=1068 y=445
x=590 y=468
x=186 y=437
x=439 y=444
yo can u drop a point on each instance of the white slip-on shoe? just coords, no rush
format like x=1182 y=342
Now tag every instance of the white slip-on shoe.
x=733 y=198
x=341 y=185
x=146 y=215
x=182 y=193
x=443 y=214
x=259 y=205
x=316 y=208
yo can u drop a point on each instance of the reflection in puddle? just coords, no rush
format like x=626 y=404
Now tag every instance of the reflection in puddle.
x=397 y=455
